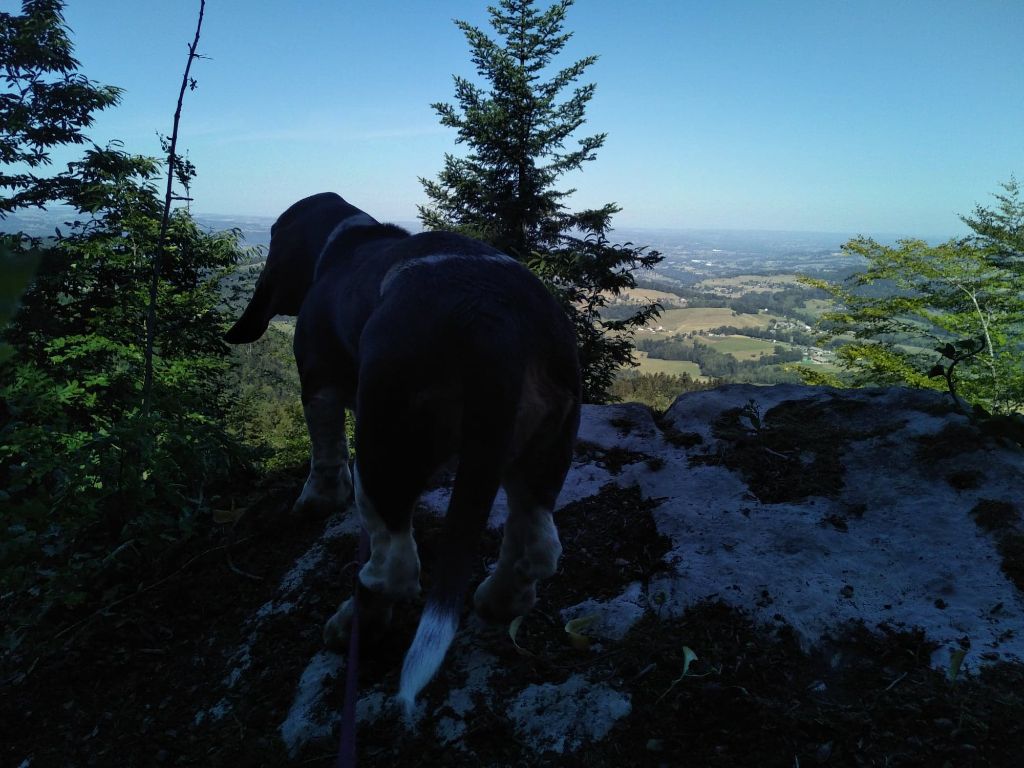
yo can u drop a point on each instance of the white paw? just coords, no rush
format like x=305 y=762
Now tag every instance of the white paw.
x=502 y=602
x=325 y=494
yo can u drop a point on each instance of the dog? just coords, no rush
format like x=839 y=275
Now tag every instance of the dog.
x=443 y=347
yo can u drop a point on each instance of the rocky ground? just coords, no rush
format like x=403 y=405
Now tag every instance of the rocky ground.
x=770 y=576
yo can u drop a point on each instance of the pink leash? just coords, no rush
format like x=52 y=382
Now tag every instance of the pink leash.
x=347 y=748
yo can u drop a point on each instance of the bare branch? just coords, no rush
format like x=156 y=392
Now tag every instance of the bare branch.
x=154 y=282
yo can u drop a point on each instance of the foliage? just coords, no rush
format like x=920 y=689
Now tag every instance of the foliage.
x=788 y=302
x=92 y=502
x=1001 y=229
x=776 y=331
x=950 y=311
x=585 y=272
x=99 y=491
x=265 y=412
x=46 y=103
x=503 y=191
x=17 y=268
x=819 y=377
x=87 y=473
x=657 y=390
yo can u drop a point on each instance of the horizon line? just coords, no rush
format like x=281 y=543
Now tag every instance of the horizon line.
x=849 y=233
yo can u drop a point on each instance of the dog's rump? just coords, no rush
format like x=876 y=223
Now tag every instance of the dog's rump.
x=465 y=321
x=465 y=337
x=471 y=356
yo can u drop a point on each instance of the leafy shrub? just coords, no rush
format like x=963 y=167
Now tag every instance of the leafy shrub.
x=919 y=314
x=96 y=488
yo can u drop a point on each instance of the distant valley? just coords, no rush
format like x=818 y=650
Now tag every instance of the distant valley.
x=732 y=307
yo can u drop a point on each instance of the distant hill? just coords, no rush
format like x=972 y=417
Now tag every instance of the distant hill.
x=43 y=223
x=690 y=255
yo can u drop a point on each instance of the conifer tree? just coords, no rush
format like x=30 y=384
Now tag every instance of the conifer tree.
x=517 y=127
x=1000 y=229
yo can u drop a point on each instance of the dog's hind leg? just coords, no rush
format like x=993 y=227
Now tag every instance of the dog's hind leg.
x=392 y=466
x=530 y=547
x=329 y=485
x=391 y=573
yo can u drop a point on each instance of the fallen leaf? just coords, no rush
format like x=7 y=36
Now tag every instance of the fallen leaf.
x=225 y=516
x=513 y=630
x=573 y=628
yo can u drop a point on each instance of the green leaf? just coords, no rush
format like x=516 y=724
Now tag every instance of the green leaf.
x=956 y=660
x=574 y=630
x=688 y=658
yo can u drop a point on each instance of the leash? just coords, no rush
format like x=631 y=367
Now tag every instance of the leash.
x=347 y=747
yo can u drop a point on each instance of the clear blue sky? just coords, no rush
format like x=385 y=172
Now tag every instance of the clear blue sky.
x=825 y=115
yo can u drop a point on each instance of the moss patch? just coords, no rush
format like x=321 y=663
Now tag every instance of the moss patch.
x=613 y=459
x=674 y=437
x=793 y=451
x=1002 y=520
x=995 y=516
x=603 y=553
x=953 y=440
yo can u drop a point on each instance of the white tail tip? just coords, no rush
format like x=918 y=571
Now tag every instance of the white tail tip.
x=433 y=636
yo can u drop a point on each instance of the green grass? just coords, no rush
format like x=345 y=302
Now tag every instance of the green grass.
x=740 y=347
x=750 y=283
x=818 y=307
x=673 y=367
x=706 y=318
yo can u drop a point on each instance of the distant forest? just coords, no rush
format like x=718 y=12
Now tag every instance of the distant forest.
x=723 y=366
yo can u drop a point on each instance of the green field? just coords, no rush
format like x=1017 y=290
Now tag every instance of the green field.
x=673 y=367
x=740 y=284
x=706 y=318
x=740 y=347
x=817 y=307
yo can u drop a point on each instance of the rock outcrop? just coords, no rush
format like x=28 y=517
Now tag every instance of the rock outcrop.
x=810 y=510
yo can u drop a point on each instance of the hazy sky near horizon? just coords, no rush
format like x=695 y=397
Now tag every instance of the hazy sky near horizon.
x=822 y=115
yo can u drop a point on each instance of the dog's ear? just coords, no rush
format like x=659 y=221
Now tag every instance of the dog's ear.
x=296 y=240
x=256 y=317
x=282 y=284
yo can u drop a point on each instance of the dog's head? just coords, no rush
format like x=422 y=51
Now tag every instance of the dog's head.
x=296 y=241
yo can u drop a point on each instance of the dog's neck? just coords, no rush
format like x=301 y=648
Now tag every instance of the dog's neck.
x=342 y=246
x=358 y=219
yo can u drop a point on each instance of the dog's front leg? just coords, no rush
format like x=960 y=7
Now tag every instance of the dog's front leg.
x=329 y=485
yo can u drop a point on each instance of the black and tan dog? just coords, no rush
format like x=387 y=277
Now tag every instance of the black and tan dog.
x=443 y=347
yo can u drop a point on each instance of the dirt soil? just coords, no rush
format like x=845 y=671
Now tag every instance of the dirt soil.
x=123 y=686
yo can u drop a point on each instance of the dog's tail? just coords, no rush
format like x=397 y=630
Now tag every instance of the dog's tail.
x=488 y=420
